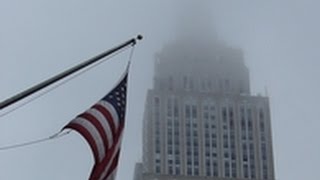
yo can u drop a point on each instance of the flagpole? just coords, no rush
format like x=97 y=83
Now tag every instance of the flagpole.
x=66 y=73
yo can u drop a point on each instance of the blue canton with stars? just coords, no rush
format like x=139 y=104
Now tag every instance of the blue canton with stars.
x=117 y=97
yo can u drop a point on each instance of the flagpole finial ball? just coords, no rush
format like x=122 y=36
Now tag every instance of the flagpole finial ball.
x=139 y=37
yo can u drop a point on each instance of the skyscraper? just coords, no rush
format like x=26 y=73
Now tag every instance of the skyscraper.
x=201 y=120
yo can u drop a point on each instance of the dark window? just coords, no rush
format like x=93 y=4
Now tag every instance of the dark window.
x=224 y=114
x=196 y=171
x=194 y=111
x=245 y=171
x=250 y=124
x=157 y=169
x=231 y=112
x=262 y=126
x=234 y=170
x=188 y=112
x=170 y=170
x=176 y=111
x=215 y=169
x=189 y=171
x=206 y=115
x=227 y=169
x=177 y=161
x=177 y=171
x=231 y=124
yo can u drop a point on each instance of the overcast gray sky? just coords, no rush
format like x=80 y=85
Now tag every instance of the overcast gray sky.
x=38 y=39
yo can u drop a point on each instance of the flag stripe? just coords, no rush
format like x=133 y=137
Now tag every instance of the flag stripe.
x=102 y=170
x=89 y=116
x=108 y=117
x=112 y=111
x=109 y=157
x=105 y=129
x=113 y=165
x=95 y=134
x=83 y=131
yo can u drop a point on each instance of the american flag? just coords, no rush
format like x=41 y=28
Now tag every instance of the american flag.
x=102 y=126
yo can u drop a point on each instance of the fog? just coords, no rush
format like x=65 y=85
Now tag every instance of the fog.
x=280 y=43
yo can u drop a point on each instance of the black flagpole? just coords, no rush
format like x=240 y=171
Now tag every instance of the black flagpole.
x=66 y=73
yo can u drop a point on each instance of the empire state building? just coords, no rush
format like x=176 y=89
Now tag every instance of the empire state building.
x=201 y=121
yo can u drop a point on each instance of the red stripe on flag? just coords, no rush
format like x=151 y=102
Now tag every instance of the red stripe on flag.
x=86 y=134
x=98 y=170
x=108 y=116
x=92 y=119
x=114 y=164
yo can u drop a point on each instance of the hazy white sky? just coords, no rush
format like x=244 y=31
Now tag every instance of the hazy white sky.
x=280 y=40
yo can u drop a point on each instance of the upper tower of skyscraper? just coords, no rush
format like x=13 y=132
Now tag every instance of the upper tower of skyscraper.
x=198 y=60
x=201 y=66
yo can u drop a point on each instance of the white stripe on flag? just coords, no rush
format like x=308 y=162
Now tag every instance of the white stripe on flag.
x=117 y=147
x=112 y=111
x=106 y=127
x=94 y=133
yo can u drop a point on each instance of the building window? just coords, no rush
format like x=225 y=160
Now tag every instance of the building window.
x=177 y=161
x=215 y=169
x=245 y=171
x=158 y=169
x=262 y=127
x=206 y=115
x=243 y=125
x=226 y=154
x=196 y=171
x=234 y=170
x=265 y=171
x=194 y=111
x=250 y=127
x=189 y=171
x=227 y=169
x=158 y=149
x=170 y=170
x=224 y=114
x=231 y=124
x=253 y=174
x=188 y=111
x=231 y=112
x=170 y=150
x=208 y=172
x=177 y=171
